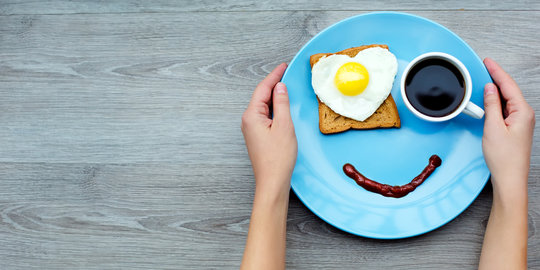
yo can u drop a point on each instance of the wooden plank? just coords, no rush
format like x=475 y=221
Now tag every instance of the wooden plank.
x=163 y=6
x=96 y=216
x=146 y=87
x=91 y=216
x=120 y=144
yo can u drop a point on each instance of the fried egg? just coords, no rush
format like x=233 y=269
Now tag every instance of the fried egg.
x=355 y=86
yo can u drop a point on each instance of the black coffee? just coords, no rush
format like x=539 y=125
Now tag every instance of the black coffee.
x=435 y=87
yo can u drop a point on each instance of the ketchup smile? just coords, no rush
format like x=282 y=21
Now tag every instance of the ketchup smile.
x=392 y=191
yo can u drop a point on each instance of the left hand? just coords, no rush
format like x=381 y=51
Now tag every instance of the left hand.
x=271 y=142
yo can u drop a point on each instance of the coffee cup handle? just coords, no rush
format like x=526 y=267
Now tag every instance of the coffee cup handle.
x=473 y=110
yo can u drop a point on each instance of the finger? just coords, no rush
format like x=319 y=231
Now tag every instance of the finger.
x=492 y=106
x=282 y=112
x=263 y=91
x=507 y=85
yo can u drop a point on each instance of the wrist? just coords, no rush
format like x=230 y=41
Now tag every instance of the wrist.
x=512 y=196
x=272 y=195
x=272 y=185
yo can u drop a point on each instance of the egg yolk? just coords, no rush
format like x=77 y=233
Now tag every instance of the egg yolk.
x=351 y=79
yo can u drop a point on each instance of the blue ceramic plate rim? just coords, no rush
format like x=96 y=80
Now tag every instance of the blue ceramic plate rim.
x=359 y=231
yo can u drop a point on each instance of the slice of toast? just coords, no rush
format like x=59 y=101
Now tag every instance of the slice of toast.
x=386 y=116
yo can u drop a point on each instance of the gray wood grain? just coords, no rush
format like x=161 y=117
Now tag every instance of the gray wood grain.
x=120 y=145
x=162 y=6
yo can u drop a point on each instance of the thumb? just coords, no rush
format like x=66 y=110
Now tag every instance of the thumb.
x=492 y=105
x=280 y=103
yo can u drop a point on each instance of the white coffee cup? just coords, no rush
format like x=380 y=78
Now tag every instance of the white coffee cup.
x=466 y=106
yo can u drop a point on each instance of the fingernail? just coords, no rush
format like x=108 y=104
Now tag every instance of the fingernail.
x=490 y=89
x=281 y=88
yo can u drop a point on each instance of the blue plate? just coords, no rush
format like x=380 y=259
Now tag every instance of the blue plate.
x=391 y=156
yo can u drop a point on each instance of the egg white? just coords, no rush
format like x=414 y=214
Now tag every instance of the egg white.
x=382 y=68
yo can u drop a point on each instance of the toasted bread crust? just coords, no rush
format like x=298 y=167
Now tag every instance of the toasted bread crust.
x=386 y=116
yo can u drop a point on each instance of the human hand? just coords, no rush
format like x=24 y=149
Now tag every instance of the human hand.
x=508 y=132
x=271 y=143
x=507 y=142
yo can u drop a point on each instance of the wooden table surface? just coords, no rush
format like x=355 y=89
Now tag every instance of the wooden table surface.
x=120 y=142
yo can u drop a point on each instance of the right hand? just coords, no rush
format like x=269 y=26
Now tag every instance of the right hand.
x=508 y=131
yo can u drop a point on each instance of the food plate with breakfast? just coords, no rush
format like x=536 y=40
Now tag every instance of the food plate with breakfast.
x=341 y=148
